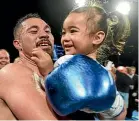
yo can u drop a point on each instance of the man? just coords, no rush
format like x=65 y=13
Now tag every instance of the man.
x=133 y=92
x=122 y=82
x=22 y=94
x=4 y=58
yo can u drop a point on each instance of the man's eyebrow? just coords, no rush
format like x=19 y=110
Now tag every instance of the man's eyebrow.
x=47 y=26
x=34 y=26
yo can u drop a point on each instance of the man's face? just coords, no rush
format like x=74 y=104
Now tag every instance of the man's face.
x=75 y=37
x=4 y=58
x=36 y=33
x=133 y=71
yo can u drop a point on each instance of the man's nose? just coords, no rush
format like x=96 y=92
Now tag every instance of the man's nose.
x=44 y=34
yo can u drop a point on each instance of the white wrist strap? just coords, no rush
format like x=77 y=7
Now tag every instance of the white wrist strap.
x=62 y=60
x=116 y=108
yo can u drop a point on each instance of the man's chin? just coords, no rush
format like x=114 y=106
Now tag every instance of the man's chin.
x=49 y=52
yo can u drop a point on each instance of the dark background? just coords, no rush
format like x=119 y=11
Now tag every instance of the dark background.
x=54 y=12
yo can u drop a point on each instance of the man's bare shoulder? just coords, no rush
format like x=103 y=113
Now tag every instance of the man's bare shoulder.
x=14 y=67
x=14 y=76
x=14 y=70
x=20 y=93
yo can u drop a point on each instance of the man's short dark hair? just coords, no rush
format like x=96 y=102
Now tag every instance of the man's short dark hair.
x=21 y=20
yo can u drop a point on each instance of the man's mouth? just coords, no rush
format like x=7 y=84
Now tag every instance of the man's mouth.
x=43 y=44
x=3 y=64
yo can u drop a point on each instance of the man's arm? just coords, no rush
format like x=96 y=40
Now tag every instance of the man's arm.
x=22 y=97
x=27 y=104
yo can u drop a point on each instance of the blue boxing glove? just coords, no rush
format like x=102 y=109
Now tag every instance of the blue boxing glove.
x=80 y=83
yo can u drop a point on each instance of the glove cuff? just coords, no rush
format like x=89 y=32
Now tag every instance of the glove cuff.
x=116 y=109
x=62 y=60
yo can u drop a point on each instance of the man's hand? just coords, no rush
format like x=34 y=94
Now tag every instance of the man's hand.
x=43 y=61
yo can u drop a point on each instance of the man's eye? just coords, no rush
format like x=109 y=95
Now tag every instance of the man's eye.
x=33 y=32
x=48 y=31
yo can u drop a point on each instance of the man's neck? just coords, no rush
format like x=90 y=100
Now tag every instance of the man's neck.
x=26 y=61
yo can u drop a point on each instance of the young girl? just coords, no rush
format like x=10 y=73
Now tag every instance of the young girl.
x=88 y=31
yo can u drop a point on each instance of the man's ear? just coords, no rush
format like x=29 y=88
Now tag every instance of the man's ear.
x=98 y=38
x=17 y=45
